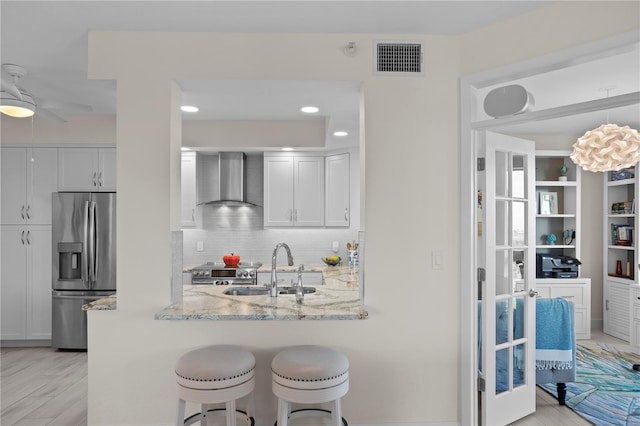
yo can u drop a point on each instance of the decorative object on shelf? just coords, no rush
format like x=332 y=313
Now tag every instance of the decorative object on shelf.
x=568 y=235
x=618 y=267
x=607 y=148
x=331 y=260
x=548 y=202
x=551 y=239
x=622 y=207
x=563 y=173
x=621 y=175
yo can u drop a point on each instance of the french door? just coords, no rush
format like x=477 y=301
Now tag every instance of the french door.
x=505 y=255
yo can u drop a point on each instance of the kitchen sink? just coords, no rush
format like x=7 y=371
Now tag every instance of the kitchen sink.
x=246 y=291
x=292 y=290
x=260 y=291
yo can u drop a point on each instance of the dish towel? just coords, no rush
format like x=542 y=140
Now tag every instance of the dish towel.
x=554 y=334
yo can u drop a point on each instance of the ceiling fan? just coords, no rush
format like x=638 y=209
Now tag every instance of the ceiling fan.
x=17 y=102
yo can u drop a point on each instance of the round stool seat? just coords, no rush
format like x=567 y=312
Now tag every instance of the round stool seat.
x=215 y=367
x=310 y=367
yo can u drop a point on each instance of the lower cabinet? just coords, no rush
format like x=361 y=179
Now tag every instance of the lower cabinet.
x=616 y=310
x=25 y=289
x=635 y=319
x=576 y=290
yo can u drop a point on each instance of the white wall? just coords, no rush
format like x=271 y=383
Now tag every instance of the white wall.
x=404 y=358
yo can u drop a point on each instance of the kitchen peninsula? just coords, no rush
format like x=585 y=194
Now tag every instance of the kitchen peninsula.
x=337 y=299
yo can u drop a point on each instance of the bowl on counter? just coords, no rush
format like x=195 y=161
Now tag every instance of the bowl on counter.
x=331 y=261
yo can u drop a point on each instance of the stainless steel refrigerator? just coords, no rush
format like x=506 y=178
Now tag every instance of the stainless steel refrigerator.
x=84 y=261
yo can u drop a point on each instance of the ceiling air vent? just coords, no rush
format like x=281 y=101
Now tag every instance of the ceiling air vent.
x=398 y=57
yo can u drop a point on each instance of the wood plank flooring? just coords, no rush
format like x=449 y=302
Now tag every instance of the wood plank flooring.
x=43 y=386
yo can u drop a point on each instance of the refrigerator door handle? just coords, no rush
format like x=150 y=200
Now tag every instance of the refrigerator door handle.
x=85 y=242
x=96 y=246
x=92 y=243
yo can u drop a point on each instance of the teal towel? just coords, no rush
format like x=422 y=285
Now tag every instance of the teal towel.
x=555 y=337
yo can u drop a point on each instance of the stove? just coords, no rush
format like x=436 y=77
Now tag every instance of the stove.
x=215 y=273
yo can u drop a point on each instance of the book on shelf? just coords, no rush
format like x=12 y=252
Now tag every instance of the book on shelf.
x=624 y=207
x=622 y=235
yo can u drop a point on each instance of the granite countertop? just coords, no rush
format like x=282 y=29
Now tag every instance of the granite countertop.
x=337 y=299
x=107 y=304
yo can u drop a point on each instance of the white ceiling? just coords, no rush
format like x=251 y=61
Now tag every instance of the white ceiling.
x=49 y=38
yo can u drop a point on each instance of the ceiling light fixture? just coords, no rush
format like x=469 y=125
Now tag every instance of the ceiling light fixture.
x=14 y=107
x=185 y=148
x=286 y=148
x=607 y=148
x=189 y=108
x=309 y=109
x=340 y=133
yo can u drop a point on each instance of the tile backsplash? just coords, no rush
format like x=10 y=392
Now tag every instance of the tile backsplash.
x=240 y=230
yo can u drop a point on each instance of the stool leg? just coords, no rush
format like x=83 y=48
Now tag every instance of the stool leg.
x=231 y=412
x=180 y=415
x=336 y=414
x=203 y=411
x=283 y=412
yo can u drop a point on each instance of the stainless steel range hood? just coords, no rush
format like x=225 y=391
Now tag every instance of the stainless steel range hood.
x=232 y=175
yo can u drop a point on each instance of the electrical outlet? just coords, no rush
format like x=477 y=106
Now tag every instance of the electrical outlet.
x=199 y=245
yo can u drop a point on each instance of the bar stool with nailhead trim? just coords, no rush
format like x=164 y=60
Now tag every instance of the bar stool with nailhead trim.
x=215 y=375
x=309 y=375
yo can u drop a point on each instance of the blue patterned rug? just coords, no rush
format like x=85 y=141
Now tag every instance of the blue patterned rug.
x=607 y=389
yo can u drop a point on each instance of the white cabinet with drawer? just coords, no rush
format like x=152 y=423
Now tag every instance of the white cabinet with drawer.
x=635 y=319
x=576 y=290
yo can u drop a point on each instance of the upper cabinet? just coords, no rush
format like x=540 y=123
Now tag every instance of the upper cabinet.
x=188 y=174
x=337 y=190
x=29 y=176
x=293 y=191
x=87 y=169
x=558 y=204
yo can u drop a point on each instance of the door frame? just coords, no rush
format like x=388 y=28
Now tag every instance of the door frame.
x=610 y=46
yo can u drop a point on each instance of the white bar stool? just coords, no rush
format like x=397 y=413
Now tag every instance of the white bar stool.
x=309 y=375
x=215 y=375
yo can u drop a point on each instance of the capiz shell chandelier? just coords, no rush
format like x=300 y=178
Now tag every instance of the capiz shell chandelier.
x=607 y=148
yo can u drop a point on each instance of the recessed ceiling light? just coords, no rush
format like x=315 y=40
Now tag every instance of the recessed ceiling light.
x=185 y=148
x=286 y=148
x=309 y=109
x=189 y=108
x=340 y=133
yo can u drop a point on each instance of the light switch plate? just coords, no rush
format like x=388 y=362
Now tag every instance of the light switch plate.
x=199 y=245
x=437 y=259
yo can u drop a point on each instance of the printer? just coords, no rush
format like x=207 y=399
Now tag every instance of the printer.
x=556 y=266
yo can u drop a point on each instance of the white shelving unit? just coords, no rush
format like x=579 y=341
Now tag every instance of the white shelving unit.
x=562 y=220
x=620 y=258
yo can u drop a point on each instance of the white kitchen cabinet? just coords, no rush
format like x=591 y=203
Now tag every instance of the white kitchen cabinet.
x=576 y=290
x=293 y=191
x=188 y=174
x=29 y=176
x=617 y=315
x=635 y=319
x=26 y=282
x=337 y=185
x=87 y=169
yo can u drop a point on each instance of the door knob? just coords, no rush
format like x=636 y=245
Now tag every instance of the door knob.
x=533 y=292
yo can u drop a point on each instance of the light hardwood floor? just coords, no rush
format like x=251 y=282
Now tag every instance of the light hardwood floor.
x=42 y=386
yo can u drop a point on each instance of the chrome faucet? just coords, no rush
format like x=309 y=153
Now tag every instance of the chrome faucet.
x=299 y=288
x=274 y=278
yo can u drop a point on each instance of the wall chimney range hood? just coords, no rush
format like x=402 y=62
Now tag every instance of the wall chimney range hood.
x=232 y=176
